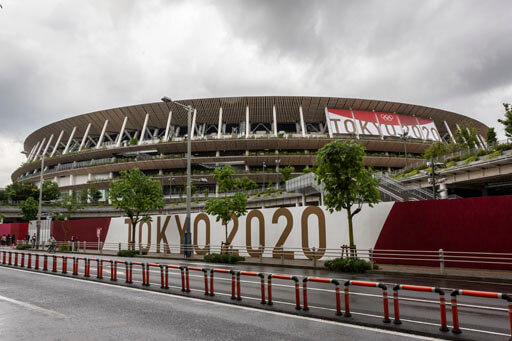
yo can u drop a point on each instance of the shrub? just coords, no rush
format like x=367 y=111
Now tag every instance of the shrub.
x=131 y=253
x=352 y=265
x=64 y=248
x=450 y=164
x=470 y=159
x=493 y=155
x=23 y=246
x=223 y=258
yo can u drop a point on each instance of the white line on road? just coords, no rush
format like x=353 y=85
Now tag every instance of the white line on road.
x=33 y=307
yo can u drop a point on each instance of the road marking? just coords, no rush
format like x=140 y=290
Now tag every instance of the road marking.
x=349 y=325
x=33 y=307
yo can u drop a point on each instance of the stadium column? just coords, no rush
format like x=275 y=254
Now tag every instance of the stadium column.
x=193 y=127
x=39 y=149
x=274 y=115
x=69 y=141
x=121 y=132
x=328 y=122
x=247 y=124
x=82 y=144
x=477 y=139
x=102 y=135
x=483 y=141
x=48 y=145
x=144 y=127
x=33 y=151
x=302 y=125
x=219 y=127
x=449 y=131
x=168 y=126
x=57 y=143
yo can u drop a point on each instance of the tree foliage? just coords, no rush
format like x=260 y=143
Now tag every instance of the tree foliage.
x=136 y=194
x=29 y=209
x=507 y=121
x=225 y=208
x=465 y=136
x=286 y=173
x=94 y=195
x=70 y=203
x=491 y=137
x=22 y=190
x=347 y=182
x=245 y=184
x=3 y=195
x=436 y=149
x=50 y=190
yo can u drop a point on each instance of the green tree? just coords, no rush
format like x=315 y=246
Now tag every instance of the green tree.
x=347 y=182
x=507 y=122
x=466 y=137
x=2 y=217
x=22 y=190
x=29 y=209
x=84 y=196
x=245 y=184
x=136 y=194
x=50 y=190
x=435 y=150
x=491 y=137
x=225 y=208
x=3 y=195
x=94 y=195
x=70 y=203
x=286 y=173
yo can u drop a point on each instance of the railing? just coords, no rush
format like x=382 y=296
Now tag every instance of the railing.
x=313 y=256
x=17 y=259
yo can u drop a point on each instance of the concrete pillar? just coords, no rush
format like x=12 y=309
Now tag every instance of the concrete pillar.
x=193 y=128
x=69 y=141
x=449 y=131
x=247 y=124
x=443 y=191
x=302 y=124
x=39 y=149
x=121 y=132
x=219 y=127
x=57 y=143
x=85 y=137
x=168 y=126
x=102 y=135
x=143 y=132
x=274 y=116
x=328 y=122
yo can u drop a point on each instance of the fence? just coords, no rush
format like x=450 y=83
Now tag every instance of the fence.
x=10 y=258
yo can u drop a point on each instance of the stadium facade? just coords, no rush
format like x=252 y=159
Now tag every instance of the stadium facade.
x=256 y=135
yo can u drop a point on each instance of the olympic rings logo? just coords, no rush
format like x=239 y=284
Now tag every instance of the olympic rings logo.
x=387 y=117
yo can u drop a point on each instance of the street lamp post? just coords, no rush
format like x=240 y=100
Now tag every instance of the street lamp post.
x=39 y=206
x=187 y=234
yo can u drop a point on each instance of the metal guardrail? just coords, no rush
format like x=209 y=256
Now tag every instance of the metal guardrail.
x=438 y=258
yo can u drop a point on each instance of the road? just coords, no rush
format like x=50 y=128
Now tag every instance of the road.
x=484 y=319
x=47 y=307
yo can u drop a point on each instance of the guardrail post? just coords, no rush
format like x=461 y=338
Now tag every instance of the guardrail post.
x=15 y=258
x=54 y=268
x=269 y=290
x=45 y=263
x=10 y=257
x=113 y=270
x=182 y=269
x=261 y=253
x=233 y=280
x=22 y=263
x=3 y=257
x=187 y=279
x=212 y=271
x=75 y=266
x=297 y=292
x=314 y=256
x=441 y=261
x=396 y=307
x=205 y=271
x=238 y=295
x=346 y=296
x=370 y=256
x=29 y=260
x=338 y=298
x=87 y=265
x=64 y=264
x=455 y=313
x=305 y=294
x=128 y=272
x=262 y=281
x=36 y=265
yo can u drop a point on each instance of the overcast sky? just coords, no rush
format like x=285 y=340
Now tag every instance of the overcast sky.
x=63 y=58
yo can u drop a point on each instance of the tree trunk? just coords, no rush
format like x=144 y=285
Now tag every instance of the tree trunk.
x=350 y=233
x=131 y=244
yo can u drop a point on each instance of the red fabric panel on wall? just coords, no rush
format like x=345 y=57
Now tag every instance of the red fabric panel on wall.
x=480 y=224
x=81 y=229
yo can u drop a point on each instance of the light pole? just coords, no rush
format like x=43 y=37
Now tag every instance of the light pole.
x=39 y=206
x=187 y=234
x=264 y=176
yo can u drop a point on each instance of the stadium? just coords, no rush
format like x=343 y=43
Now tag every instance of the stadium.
x=256 y=135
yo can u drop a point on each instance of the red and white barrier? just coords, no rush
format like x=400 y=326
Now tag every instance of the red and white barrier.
x=285 y=277
x=417 y=288
x=482 y=294
x=323 y=280
x=205 y=274
x=371 y=285
x=143 y=271
x=223 y=271
x=252 y=274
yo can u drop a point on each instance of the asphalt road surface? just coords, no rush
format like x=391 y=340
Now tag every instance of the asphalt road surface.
x=47 y=307
x=482 y=319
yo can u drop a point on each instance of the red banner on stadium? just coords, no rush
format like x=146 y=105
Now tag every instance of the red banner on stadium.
x=371 y=123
